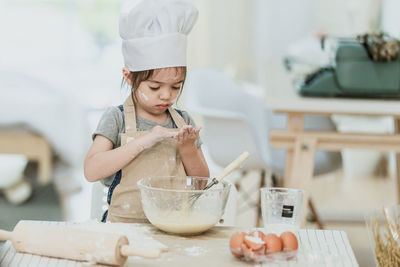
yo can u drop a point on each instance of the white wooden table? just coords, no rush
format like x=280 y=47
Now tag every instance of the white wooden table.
x=282 y=97
x=326 y=248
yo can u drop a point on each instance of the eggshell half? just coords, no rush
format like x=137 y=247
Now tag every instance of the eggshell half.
x=249 y=253
x=257 y=233
x=254 y=243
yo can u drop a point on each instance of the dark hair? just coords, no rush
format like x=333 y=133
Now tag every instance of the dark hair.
x=140 y=76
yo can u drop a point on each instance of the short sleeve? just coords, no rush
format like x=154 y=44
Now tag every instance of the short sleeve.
x=189 y=121
x=110 y=125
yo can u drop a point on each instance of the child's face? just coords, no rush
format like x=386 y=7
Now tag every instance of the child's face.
x=160 y=91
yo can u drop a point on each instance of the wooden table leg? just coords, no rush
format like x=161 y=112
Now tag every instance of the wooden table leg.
x=288 y=167
x=315 y=214
x=44 y=162
x=397 y=131
x=302 y=169
x=295 y=123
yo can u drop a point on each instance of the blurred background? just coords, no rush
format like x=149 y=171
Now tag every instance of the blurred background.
x=60 y=68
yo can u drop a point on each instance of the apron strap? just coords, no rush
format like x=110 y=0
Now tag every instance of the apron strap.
x=130 y=115
x=179 y=121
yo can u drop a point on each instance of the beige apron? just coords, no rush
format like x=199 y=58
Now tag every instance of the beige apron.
x=163 y=159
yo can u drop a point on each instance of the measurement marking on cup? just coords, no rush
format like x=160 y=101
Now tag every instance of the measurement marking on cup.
x=287 y=211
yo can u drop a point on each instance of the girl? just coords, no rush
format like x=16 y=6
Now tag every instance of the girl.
x=146 y=136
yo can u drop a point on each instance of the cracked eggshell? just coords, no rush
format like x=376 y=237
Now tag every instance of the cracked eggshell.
x=258 y=233
x=254 y=243
x=248 y=253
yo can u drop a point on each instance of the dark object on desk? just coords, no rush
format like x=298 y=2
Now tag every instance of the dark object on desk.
x=367 y=67
x=380 y=47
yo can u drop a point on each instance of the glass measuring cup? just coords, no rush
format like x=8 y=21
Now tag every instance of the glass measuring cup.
x=281 y=209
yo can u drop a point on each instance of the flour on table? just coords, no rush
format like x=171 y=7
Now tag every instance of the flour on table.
x=195 y=251
x=138 y=235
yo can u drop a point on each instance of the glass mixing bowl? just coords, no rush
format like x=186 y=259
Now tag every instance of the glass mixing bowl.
x=178 y=205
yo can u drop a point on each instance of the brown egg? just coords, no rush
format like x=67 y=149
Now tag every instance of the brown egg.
x=272 y=243
x=235 y=243
x=254 y=242
x=289 y=241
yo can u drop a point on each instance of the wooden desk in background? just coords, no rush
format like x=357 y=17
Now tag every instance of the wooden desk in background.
x=33 y=146
x=300 y=145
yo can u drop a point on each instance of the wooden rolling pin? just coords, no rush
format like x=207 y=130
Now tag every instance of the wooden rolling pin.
x=74 y=244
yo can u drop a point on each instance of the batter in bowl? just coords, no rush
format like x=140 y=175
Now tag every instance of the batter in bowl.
x=183 y=223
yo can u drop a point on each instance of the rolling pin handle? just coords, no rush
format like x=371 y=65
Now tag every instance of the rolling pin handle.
x=127 y=250
x=5 y=235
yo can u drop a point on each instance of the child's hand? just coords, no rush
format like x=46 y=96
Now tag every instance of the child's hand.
x=156 y=135
x=187 y=136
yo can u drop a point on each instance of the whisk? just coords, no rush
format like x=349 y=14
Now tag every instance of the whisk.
x=228 y=169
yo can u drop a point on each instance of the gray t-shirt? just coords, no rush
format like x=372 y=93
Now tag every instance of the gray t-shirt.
x=112 y=125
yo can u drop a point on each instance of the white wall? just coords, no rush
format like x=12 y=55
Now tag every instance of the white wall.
x=391 y=19
x=241 y=37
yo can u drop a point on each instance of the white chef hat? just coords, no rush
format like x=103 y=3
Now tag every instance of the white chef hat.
x=154 y=33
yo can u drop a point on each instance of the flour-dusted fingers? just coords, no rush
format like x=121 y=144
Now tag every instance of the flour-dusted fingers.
x=171 y=134
x=184 y=128
x=196 y=131
x=198 y=128
x=193 y=133
x=164 y=132
x=180 y=136
x=187 y=128
x=185 y=133
x=156 y=135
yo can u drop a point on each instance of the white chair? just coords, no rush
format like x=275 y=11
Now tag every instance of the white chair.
x=225 y=109
x=235 y=120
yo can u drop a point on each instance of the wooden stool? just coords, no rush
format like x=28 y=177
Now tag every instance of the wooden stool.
x=33 y=146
